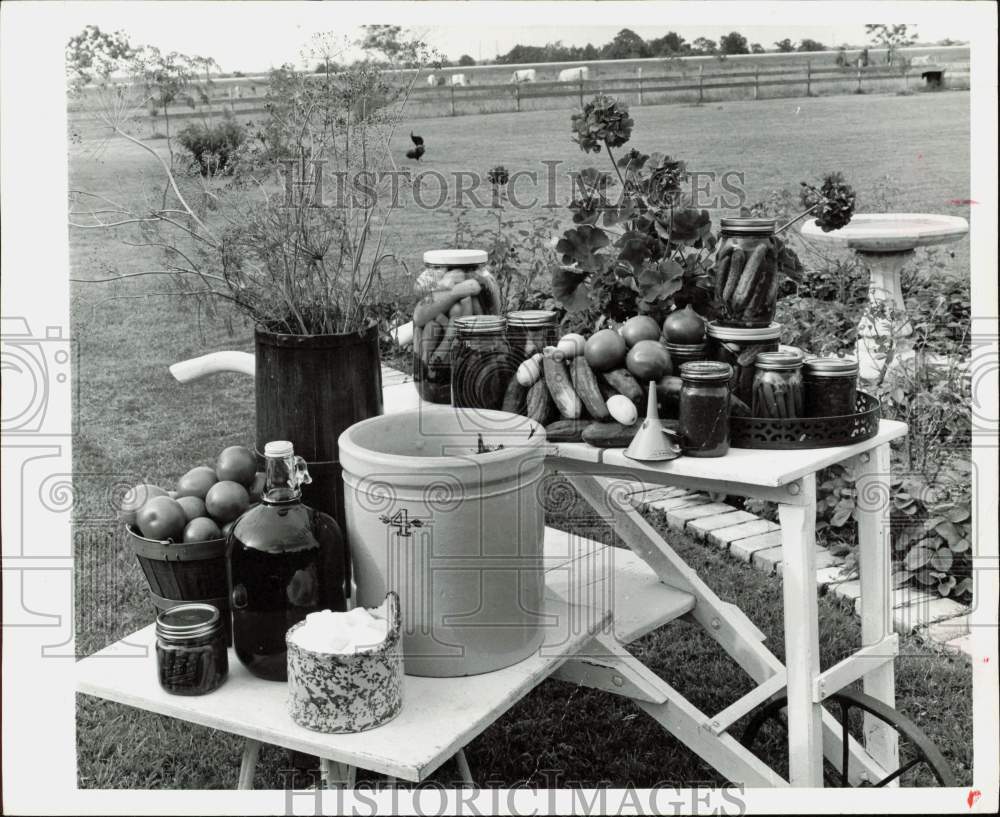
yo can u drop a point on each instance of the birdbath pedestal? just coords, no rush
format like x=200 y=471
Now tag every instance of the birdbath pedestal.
x=884 y=243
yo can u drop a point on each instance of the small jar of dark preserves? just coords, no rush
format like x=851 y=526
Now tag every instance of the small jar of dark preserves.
x=191 y=656
x=777 y=385
x=830 y=386
x=704 y=408
x=481 y=362
x=529 y=331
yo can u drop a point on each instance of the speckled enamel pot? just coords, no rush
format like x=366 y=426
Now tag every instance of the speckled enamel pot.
x=329 y=692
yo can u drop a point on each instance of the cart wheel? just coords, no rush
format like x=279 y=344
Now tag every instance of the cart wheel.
x=922 y=748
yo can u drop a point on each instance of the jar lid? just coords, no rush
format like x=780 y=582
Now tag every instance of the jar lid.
x=748 y=226
x=480 y=324
x=188 y=621
x=778 y=360
x=706 y=370
x=832 y=366
x=686 y=348
x=455 y=258
x=279 y=448
x=761 y=333
x=532 y=317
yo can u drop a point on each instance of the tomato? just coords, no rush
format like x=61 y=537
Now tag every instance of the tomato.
x=648 y=360
x=226 y=501
x=605 y=350
x=238 y=464
x=641 y=327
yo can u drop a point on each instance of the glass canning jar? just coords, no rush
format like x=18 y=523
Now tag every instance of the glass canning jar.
x=830 y=385
x=530 y=331
x=191 y=655
x=681 y=353
x=704 y=408
x=746 y=272
x=481 y=362
x=777 y=385
x=739 y=348
x=453 y=284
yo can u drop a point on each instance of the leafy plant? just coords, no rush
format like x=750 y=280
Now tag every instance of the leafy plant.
x=211 y=145
x=520 y=249
x=636 y=247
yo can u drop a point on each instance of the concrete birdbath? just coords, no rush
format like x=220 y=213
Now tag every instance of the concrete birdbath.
x=884 y=243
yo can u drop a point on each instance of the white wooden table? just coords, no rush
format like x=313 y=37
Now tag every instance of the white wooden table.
x=601 y=598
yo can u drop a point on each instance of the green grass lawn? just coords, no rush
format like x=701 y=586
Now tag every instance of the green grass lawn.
x=136 y=423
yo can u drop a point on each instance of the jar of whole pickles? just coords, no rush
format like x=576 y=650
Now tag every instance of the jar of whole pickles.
x=830 y=386
x=746 y=272
x=191 y=656
x=453 y=284
x=703 y=416
x=739 y=348
x=529 y=331
x=481 y=362
x=681 y=353
x=777 y=385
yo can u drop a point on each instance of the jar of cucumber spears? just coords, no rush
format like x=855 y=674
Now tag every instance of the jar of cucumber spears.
x=453 y=284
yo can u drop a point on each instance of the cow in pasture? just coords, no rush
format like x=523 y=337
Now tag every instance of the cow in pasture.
x=577 y=74
x=432 y=80
x=458 y=79
x=524 y=75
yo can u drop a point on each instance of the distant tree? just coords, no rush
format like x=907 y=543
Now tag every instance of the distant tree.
x=627 y=45
x=890 y=38
x=733 y=43
x=94 y=55
x=703 y=45
x=811 y=45
x=465 y=61
x=756 y=48
x=670 y=44
x=397 y=47
x=590 y=52
x=785 y=45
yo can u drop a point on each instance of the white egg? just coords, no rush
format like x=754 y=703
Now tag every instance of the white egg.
x=622 y=409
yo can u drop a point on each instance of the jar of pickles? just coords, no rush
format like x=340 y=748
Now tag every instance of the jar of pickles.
x=739 y=348
x=830 y=386
x=453 y=284
x=191 y=655
x=481 y=362
x=529 y=331
x=681 y=353
x=704 y=408
x=746 y=272
x=777 y=385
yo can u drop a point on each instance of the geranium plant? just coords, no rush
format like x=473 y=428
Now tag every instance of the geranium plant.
x=637 y=247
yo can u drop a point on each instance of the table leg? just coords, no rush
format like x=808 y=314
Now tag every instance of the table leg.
x=337 y=774
x=248 y=763
x=872 y=471
x=805 y=718
x=463 y=768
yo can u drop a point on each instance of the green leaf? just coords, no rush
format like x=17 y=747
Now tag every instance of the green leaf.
x=964 y=586
x=899 y=578
x=948 y=531
x=841 y=515
x=570 y=289
x=918 y=557
x=661 y=281
x=960 y=514
x=946 y=585
x=684 y=226
x=960 y=546
x=942 y=559
x=580 y=246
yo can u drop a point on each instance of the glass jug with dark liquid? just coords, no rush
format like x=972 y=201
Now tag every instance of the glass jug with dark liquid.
x=285 y=560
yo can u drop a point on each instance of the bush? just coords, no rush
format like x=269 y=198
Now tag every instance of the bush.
x=212 y=145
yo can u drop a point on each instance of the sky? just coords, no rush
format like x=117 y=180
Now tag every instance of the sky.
x=256 y=36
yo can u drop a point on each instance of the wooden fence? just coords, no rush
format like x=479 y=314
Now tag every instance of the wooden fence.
x=686 y=85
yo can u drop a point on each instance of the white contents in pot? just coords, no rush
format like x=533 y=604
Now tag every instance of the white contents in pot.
x=342 y=633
